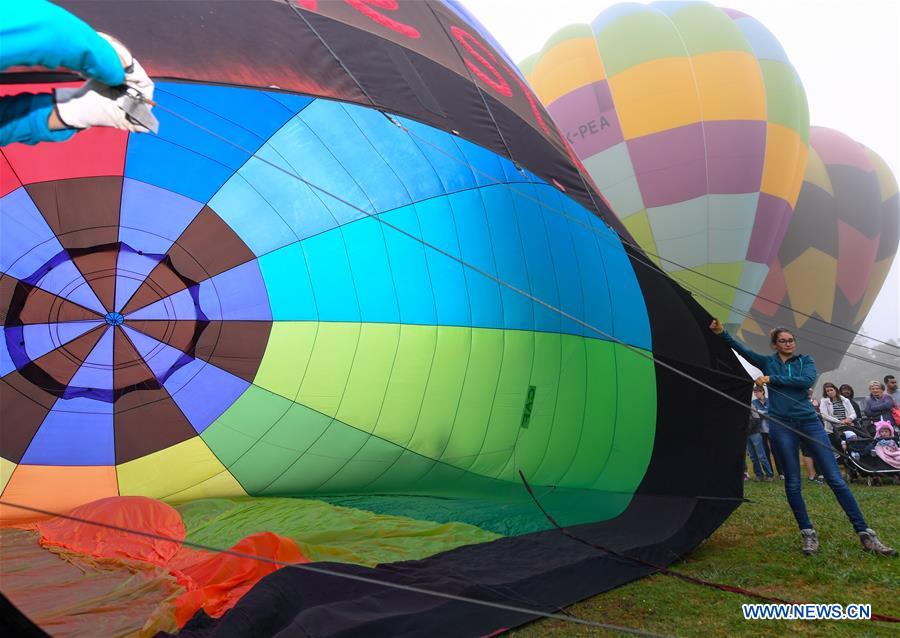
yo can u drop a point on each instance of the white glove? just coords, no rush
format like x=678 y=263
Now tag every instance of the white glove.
x=95 y=104
x=135 y=76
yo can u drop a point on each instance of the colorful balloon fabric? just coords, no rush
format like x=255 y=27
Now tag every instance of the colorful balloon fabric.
x=694 y=126
x=357 y=263
x=843 y=236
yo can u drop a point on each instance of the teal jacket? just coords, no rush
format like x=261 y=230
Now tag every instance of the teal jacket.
x=38 y=33
x=790 y=381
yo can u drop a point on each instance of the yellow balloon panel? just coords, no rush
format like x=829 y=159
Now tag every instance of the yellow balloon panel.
x=655 y=96
x=730 y=86
x=786 y=157
x=812 y=266
x=167 y=472
x=574 y=63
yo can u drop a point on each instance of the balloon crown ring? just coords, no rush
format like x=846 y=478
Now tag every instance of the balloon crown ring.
x=114 y=318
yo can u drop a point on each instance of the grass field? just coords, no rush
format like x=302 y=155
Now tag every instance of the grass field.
x=758 y=548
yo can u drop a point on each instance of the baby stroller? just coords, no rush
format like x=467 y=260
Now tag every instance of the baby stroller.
x=861 y=465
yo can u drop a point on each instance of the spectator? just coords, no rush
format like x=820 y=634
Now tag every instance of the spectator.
x=761 y=468
x=788 y=375
x=834 y=409
x=809 y=463
x=879 y=405
x=761 y=405
x=811 y=394
x=812 y=471
x=890 y=382
x=847 y=391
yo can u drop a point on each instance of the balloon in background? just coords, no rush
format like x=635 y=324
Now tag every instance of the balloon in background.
x=888 y=241
x=694 y=126
x=837 y=251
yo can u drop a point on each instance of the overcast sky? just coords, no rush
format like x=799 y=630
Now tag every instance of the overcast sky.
x=847 y=54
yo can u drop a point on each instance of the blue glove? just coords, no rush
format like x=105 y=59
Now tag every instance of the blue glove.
x=38 y=33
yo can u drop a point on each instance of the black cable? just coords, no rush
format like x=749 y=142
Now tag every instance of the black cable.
x=380 y=219
x=665 y=570
x=693 y=290
x=625 y=241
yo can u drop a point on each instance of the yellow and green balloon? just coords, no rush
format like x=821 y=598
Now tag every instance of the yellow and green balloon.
x=694 y=125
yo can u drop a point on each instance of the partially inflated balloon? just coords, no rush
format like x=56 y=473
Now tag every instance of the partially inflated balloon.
x=837 y=251
x=356 y=264
x=693 y=124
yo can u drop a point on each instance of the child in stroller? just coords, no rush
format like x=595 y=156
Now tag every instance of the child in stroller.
x=876 y=459
x=885 y=445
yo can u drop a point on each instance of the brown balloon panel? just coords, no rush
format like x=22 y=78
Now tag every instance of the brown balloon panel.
x=98 y=331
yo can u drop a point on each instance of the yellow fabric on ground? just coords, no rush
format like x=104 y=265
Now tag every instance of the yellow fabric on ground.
x=325 y=532
x=72 y=595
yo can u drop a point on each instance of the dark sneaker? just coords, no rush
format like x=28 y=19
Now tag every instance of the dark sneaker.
x=811 y=541
x=871 y=543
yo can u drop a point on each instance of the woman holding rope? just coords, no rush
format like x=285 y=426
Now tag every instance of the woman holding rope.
x=792 y=417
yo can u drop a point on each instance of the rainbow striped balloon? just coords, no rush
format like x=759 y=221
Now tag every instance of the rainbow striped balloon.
x=694 y=126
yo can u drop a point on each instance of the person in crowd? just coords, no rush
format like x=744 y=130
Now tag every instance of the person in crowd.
x=761 y=468
x=761 y=405
x=812 y=472
x=835 y=410
x=847 y=391
x=811 y=396
x=792 y=417
x=890 y=388
x=809 y=462
x=879 y=405
x=39 y=33
x=885 y=445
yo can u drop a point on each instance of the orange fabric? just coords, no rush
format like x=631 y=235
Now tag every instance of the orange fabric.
x=213 y=581
x=128 y=512
x=222 y=579
x=55 y=489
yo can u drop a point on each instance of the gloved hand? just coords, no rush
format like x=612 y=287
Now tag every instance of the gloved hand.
x=135 y=76
x=96 y=104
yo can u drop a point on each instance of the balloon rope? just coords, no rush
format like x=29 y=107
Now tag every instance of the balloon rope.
x=380 y=219
x=593 y=229
x=334 y=55
x=486 y=274
x=313 y=568
x=624 y=240
x=874 y=362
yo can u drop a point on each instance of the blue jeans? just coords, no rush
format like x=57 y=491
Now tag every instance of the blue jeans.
x=758 y=456
x=786 y=445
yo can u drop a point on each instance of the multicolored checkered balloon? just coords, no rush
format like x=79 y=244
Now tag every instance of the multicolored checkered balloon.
x=843 y=237
x=694 y=125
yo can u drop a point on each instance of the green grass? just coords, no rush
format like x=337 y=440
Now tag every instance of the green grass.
x=758 y=548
